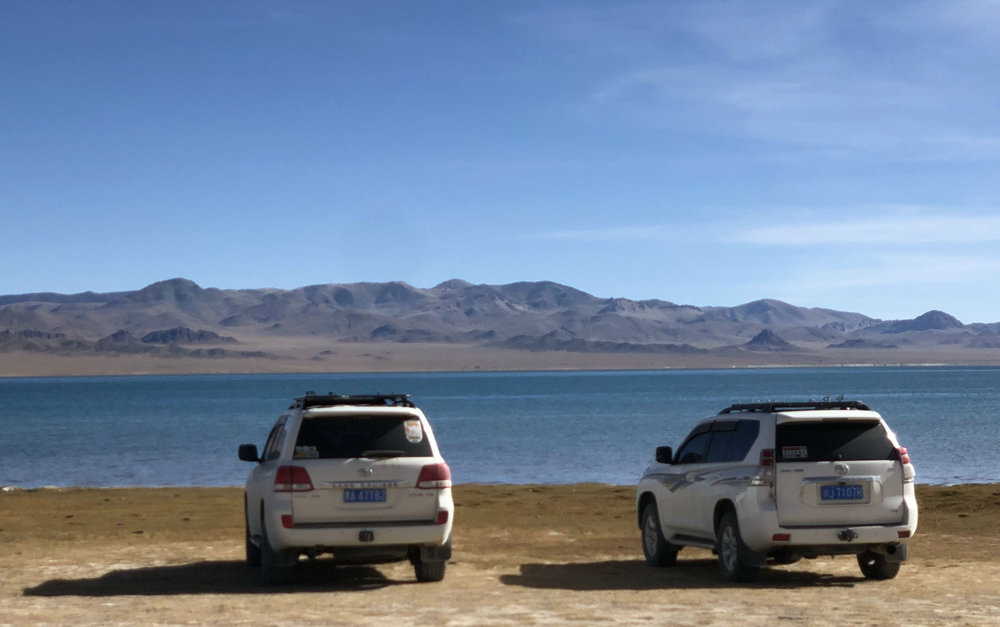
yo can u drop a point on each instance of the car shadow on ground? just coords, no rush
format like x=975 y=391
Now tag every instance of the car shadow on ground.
x=214 y=577
x=638 y=575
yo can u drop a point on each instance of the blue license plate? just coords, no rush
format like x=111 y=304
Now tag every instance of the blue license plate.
x=365 y=495
x=849 y=492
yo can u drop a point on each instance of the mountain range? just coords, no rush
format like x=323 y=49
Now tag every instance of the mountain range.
x=179 y=318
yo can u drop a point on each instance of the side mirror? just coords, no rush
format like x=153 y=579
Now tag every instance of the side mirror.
x=248 y=453
x=664 y=455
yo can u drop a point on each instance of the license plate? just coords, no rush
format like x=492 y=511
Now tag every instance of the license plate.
x=849 y=492
x=365 y=495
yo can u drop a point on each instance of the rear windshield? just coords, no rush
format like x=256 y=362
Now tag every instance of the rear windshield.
x=833 y=441
x=345 y=437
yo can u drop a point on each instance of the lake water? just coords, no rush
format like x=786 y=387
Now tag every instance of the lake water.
x=529 y=427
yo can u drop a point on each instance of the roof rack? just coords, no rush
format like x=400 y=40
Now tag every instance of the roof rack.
x=312 y=399
x=772 y=407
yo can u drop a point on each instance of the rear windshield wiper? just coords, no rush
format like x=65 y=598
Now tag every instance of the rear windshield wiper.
x=382 y=453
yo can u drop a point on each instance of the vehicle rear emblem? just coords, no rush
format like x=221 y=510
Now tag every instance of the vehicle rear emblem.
x=842 y=469
x=366 y=472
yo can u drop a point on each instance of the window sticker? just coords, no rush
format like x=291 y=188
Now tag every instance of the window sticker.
x=794 y=452
x=306 y=452
x=414 y=432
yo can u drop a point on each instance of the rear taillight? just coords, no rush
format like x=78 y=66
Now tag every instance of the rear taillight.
x=904 y=459
x=292 y=479
x=767 y=458
x=765 y=474
x=434 y=476
x=903 y=455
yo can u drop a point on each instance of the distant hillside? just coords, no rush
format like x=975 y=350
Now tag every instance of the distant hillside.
x=169 y=316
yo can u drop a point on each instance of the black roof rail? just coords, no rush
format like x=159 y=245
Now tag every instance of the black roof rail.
x=772 y=407
x=311 y=399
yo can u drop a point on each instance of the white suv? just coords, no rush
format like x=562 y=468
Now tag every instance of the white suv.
x=782 y=481
x=360 y=477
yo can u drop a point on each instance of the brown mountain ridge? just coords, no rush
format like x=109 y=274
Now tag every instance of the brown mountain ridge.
x=169 y=317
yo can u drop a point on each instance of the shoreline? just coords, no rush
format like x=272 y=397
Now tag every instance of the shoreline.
x=526 y=370
x=15 y=489
x=302 y=357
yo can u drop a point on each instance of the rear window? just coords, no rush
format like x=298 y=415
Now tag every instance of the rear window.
x=346 y=437
x=833 y=442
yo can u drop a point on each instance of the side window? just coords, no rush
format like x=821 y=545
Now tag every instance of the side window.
x=693 y=452
x=279 y=441
x=722 y=437
x=272 y=439
x=743 y=439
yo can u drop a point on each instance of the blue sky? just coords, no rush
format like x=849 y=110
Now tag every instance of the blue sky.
x=832 y=154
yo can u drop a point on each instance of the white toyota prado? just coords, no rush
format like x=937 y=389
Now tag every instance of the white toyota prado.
x=360 y=477
x=782 y=481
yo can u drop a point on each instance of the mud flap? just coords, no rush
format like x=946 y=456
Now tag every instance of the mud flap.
x=897 y=554
x=436 y=553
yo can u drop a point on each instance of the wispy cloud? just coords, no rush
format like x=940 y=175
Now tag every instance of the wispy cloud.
x=656 y=232
x=884 y=270
x=897 y=228
x=902 y=81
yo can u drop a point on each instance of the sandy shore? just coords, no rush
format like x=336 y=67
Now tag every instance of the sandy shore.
x=524 y=555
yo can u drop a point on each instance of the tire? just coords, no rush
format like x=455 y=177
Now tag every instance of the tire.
x=253 y=551
x=275 y=566
x=655 y=547
x=875 y=566
x=429 y=571
x=733 y=552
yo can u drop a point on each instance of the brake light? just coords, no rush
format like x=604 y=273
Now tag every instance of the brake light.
x=903 y=455
x=434 y=476
x=292 y=479
x=767 y=458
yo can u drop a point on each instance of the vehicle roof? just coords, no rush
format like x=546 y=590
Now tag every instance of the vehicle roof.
x=773 y=407
x=312 y=399
x=360 y=410
x=826 y=414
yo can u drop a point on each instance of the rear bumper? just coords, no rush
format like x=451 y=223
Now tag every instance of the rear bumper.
x=324 y=537
x=758 y=519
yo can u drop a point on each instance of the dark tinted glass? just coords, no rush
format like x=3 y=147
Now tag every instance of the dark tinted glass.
x=694 y=451
x=345 y=437
x=746 y=435
x=833 y=441
x=276 y=445
x=719 y=448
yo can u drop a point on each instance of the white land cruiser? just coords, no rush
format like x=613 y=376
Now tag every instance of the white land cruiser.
x=360 y=477
x=782 y=481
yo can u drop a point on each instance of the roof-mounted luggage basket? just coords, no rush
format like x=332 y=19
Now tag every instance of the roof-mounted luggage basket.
x=772 y=407
x=311 y=399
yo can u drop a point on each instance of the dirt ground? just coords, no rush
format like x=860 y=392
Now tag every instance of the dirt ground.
x=524 y=555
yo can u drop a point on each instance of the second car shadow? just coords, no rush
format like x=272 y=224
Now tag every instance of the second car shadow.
x=638 y=575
